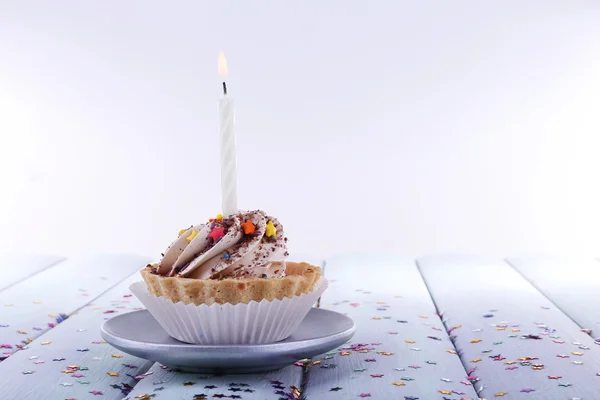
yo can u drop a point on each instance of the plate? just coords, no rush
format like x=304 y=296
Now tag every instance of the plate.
x=137 y=333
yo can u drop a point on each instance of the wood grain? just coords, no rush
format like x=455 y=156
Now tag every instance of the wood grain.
x=77 y=342
x=495 y=312
x=178 y=385
x=15 y=268
x=401 y=349
x=27 y=308
x=571 y=283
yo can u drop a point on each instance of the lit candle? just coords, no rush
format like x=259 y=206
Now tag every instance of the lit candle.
x=227 y=136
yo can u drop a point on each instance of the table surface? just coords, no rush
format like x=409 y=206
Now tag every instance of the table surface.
x=440 y=327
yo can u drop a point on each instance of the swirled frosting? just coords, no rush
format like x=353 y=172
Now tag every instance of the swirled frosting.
x=246 y=244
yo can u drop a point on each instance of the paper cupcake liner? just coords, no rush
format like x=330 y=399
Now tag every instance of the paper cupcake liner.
x=219 y=324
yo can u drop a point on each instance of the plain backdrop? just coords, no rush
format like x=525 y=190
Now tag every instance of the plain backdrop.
x=408 y=126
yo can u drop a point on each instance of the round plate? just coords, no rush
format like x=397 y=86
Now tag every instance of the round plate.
x=137 y=333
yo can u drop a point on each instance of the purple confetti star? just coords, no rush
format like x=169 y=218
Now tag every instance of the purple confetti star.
x=527 y=390
x=365 y=395
x=512 y=367
x=4 y=326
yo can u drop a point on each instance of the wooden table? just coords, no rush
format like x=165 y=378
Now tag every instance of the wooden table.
x=444 y=327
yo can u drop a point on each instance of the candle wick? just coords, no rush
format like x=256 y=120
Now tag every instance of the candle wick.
x=224 y=88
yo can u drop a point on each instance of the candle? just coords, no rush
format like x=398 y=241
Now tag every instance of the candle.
x=227 y=136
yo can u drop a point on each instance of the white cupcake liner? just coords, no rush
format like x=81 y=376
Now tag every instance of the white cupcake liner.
x=220 y=324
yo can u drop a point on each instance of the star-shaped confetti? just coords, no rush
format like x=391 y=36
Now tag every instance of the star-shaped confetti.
x=96 y=392
x=396 y=383
x=335 y=389
x=527 y=390
x=363 y=395
x=565 y=384
x=376 y=375
x=112 y=373
x=116 y=356
x=500 y=394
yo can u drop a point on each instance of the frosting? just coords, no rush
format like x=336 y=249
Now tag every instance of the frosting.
x=246 y=244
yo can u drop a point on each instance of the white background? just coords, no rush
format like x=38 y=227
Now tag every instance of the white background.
x=408 y=126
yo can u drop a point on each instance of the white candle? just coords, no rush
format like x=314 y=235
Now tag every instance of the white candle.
x=227 y=136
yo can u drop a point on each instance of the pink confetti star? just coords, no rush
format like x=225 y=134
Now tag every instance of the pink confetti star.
x=96 y=392
x=376 y=375
x=414 y=366
x=365 y=395
x=77 y=375
x=512 y=367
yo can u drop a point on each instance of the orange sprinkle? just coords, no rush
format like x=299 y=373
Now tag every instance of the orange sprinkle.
x=248 y=227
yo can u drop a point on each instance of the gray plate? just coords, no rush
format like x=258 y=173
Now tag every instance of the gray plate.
x=137 y=333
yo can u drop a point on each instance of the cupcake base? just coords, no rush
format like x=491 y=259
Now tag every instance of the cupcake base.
x=265 y=321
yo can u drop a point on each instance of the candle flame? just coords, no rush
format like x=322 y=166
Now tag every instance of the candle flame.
x=222 y=66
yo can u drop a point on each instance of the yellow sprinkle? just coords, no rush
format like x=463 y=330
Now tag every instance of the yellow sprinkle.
x=410 y=341
x=500 y=394
x=112 y=374
x=192 y=235
x=576 y=353
x=116 y=356
x=509 y=362
x=30 y=339
x=22 y=332
x=457 y=326
x=181 y=232
x=317 y=362
x=45 y=343
x=423 y=316
x=515 y=330
x=500 y=328
x=398 y=383
x=445 y=392
x=476 y=360
x=451 y=351
x=363 y=351
x=271 y=231
x=345 y=353
x=385 y=353
x=475 y=340
x=52 y=315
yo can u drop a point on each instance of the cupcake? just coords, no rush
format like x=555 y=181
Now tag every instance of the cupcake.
x=228 y=282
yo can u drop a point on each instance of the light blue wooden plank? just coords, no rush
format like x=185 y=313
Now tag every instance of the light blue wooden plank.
x=401 y=348
x=27 y=309
x=76 y=342
x=15 y=268
x=570 y=283
x=178 y=385
x=496 y=309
